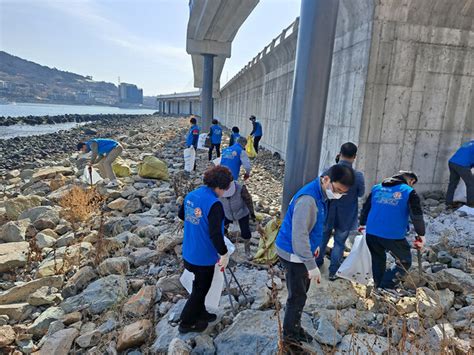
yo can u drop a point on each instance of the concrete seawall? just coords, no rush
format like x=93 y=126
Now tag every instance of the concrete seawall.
x=401 y=87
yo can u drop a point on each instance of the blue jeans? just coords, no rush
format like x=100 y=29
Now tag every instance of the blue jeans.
x=399 y=248
x=337 y=252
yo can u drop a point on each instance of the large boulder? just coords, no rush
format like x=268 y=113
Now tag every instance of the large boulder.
x=428 y=305
x=13 y=255
x=49 y=173
x=134 y=334
x=98 y=296
x=16 y=311
x=45 y=296
x=7 y=335
x=454 y=279
x=256 y=332
x=59 y=342
x=79 y=281
x=15 y=206
x=14 y=231
x=41 y=324
x=42 y=217
x=116 y=266
x=20 y=293
x=326 y=333
x=168 y=241
x=139 y=304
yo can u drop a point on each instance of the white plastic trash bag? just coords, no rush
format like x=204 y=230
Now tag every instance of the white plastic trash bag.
x=189 y=159
x=460 y=194
x=214 y=295
x=358 y=265
x=202 y=141
x=217 y=161
x=86 y=176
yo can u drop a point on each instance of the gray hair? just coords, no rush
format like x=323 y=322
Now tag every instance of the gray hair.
x=242 y=141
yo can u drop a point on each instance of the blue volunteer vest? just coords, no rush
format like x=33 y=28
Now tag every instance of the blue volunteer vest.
x=234 y=137
x=231 y=158
x=389 y=211
x=105 y=145
x=216 y=134
x=284 y=237
x=258 y=129
x=464 y=156
x=197 y=245
x=190 y=136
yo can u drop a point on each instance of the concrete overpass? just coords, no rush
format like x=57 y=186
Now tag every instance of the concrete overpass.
x=184 y=103
x=212 y=27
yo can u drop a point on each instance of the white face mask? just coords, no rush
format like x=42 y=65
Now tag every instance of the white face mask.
x=333 y=195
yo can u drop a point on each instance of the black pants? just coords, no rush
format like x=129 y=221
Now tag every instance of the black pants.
x=195 y=160
x=297 y=283
x=218 y=150
x=399 y=248
x=194 y=307
x=256 y=140
x=244 y=224
x=457 y=172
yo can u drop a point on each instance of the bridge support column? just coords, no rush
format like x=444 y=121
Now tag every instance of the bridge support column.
x=316 y=35
x=207 y=104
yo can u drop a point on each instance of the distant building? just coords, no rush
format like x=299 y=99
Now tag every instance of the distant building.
x=129 y=93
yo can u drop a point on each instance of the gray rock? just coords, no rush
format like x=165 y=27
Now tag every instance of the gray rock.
x=454 y=279
x=178 y=347
x=41 y=212
x=98 y=296
x=132 y=206
x=89 y=339
x=44 y=241
x=204 y=345
x=150 y=232
x=15 y=206
x=444 y=257
x=114 y=266
x=79 y=281
x=108 y=326
x=458 y=263
x=41 y=324
x=326 y=333
x=60 y=342
x=438 y=334
x=143 y=256
x=170 y=284
x=14 y=231
x=428 y=305
x=175 y=312
x=65 y=240
x=13 y=255
x=363 y=343
x=168 y=241
x=26 y=346
x=45 y=296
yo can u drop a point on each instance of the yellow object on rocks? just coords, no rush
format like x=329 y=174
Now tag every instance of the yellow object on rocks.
x=266 y=252
x=121 y=169
x=249 y=148
x=153 y=168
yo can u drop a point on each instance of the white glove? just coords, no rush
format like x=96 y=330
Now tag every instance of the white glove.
x=315 y=275
x=223 y=261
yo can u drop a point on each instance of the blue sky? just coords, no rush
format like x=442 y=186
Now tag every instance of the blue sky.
x=142 y=41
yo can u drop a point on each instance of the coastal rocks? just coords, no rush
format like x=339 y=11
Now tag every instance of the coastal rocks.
x=41 y=324
x=98 y=296
x=143 y=256
x=117 y=266
x=42 y=217
x=60 y=342
x=179 y=347
x=134 y=334
x=79 y=281
x=13 y=255
x=49 y=173
x=326 y=333
x=168 y=241
x=454 y=279
x=15 y=206
x=14 y=231
x=16 y=311
x=363 y=343
x=45 y=296
x=21 y=292
x=427 y=304
x=140 y=303
x=7 y=335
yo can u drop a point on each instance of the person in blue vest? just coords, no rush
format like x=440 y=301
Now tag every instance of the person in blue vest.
x=104 y=152
x=203 y=244
x=385 y=218
x=235 y=156
x=257 y=132
x=192 y=137
x=342 y=213
x=460 y=166
x=234 y=136
x=215 y=134
x=298 y=242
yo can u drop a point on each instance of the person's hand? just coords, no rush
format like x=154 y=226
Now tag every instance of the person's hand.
x=223 y=261
x=246 y=176
x=361 y=229
x=316 y=252
x=419 y=242
x=315 y=275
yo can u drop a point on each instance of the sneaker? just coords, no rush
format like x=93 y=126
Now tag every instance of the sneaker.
x=208 y=317
x=333 y=277
x=197 y=327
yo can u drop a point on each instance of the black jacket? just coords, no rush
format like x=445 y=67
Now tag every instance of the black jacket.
x=416 y=212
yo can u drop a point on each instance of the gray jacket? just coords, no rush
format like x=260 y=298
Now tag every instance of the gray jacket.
x=235 y=207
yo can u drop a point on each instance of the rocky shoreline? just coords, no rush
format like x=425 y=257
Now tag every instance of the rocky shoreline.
x=99 y=274
x=38 y=120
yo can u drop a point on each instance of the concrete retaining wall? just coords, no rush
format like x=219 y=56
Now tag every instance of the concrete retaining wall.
x=401 y=87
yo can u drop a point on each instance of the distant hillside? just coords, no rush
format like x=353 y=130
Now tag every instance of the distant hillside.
x=25 y=81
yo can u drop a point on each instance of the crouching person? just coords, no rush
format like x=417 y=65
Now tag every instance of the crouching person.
x=298 y=240
x=238 y=206
x=386 y=212
x=203 y=244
